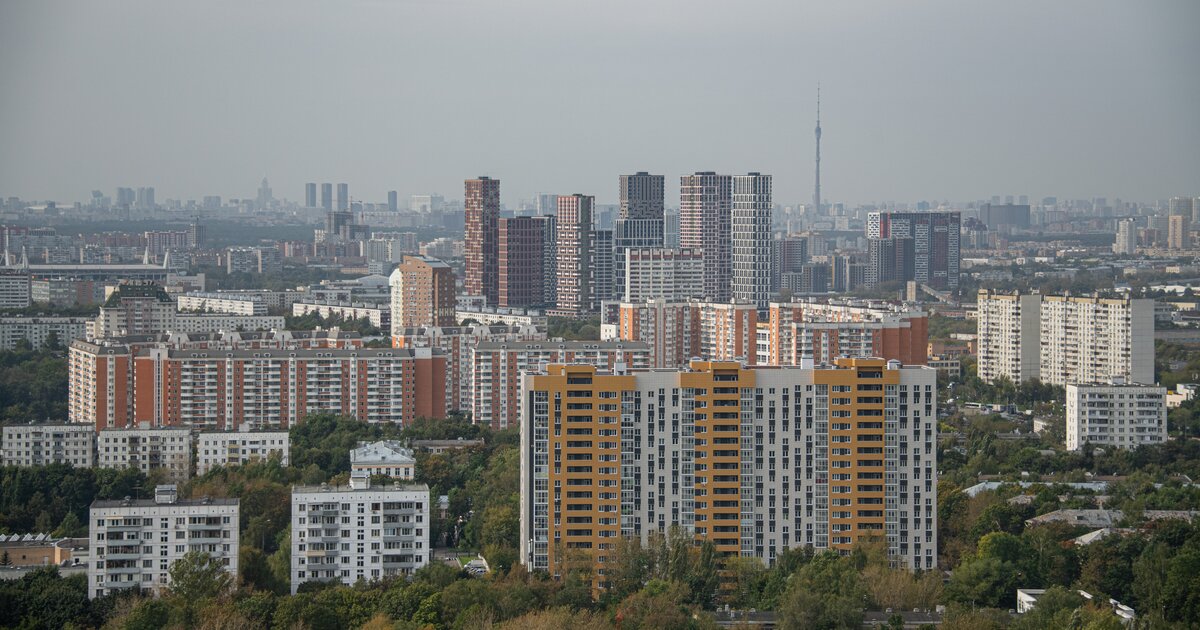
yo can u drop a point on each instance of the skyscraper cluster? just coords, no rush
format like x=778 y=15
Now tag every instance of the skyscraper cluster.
x=724 y=253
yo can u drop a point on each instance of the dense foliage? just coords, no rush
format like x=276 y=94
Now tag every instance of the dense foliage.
x=55 y=498
x=33 y=383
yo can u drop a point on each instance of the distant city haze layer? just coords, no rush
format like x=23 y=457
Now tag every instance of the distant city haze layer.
x=929 y=100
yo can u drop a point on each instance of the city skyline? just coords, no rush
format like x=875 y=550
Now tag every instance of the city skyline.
x=919 y=81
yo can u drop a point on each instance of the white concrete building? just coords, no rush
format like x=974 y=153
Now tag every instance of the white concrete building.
x=671 y=275
x=1116 y=415
x=14 y=288
x=1009 y=330
x=36 y=330
x=188 y=323
x=236 y=448
x=345 y=534
x=500 y=315
x=229 y=303
x=43 y=444
x=751 y=239
x=135 y=542
x=1072 y=339
x=1127 y=237
x=385 y=457
x=146 y=449
x=380 y=315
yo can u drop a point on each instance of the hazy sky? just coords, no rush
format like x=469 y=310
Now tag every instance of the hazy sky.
x=920 y=100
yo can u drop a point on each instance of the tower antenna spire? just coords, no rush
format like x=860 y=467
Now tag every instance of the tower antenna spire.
x=817 y=185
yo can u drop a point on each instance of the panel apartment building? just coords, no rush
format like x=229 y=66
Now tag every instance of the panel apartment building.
x=345 y=534
x=1116 y=415
x=1075 y=339
x=264 y=381
x=135 y=542
x=45 y=444
x=756 y=460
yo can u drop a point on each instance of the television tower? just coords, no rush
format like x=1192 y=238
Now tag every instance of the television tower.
x=817 y=187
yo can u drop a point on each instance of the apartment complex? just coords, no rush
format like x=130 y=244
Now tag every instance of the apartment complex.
x=640 y=223
x=238 y=448
x=497 y=368
x=346 y=534
x=822 y=330
x=481 y=204
x=705 y=203
x=671 y=330
x=422 y=293
x=266 y=381
x=45 y=444
x=754 y=460
x=459 y=343
x=923 y=246
x=1116 y=415
x=1074 y=339
x=378 y=315
x=750 y=274
x=135 y=542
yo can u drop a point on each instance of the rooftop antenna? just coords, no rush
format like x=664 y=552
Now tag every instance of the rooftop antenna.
x=817 y=186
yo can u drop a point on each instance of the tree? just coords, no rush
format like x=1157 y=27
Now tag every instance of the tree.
x=197 y=576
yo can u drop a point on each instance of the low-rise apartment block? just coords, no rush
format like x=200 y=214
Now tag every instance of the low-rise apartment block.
x=45 y=444
x=390 y=458
x=358 y=532
x=237 y=448
x=135 y=542
x=38 y=330
x=146 y=449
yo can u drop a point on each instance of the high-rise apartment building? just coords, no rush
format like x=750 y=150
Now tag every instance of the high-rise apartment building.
x=481 y=247
x=751 y=240
x=135 y=309
x=497 y=368
x=343 y=197
x=347 y=534
x=1116 y=415
x=1126 y=241
x=788 y=255
x=755 y=461
x=670 y=329
x=549 y=259
x=705 y=201
x=521 y=255
x=1177 y=232
x=393 y=201
x=1008 y=333
x=134 y=542
x=728 y=332
x=934 y=240
x=640 y=222
x=672 y=275
x=327 y=197
x=814 y=332
x=1096 y=340
x=422 y=293
x=603 y=281
x=310 y=195
x=574 y=250
x=1072 y=339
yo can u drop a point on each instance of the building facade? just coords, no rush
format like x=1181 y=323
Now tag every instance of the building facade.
x=146 y=449
x=45 y=444
x=1116 y=415
x=422 y=293
x=238 y=448
x=751 y=240
x=38 y=331
x=481 y=205
x=135 y=542
x=673 y=275
x=346 y=534
x=574 y=250
x=753 y=460
x=1009 y=336
x=390 y=458
x=934 y=241
x=705 y=203
x=521 y=275
x=498 y=368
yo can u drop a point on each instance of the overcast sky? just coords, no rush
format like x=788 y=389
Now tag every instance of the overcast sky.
x=920 y=100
